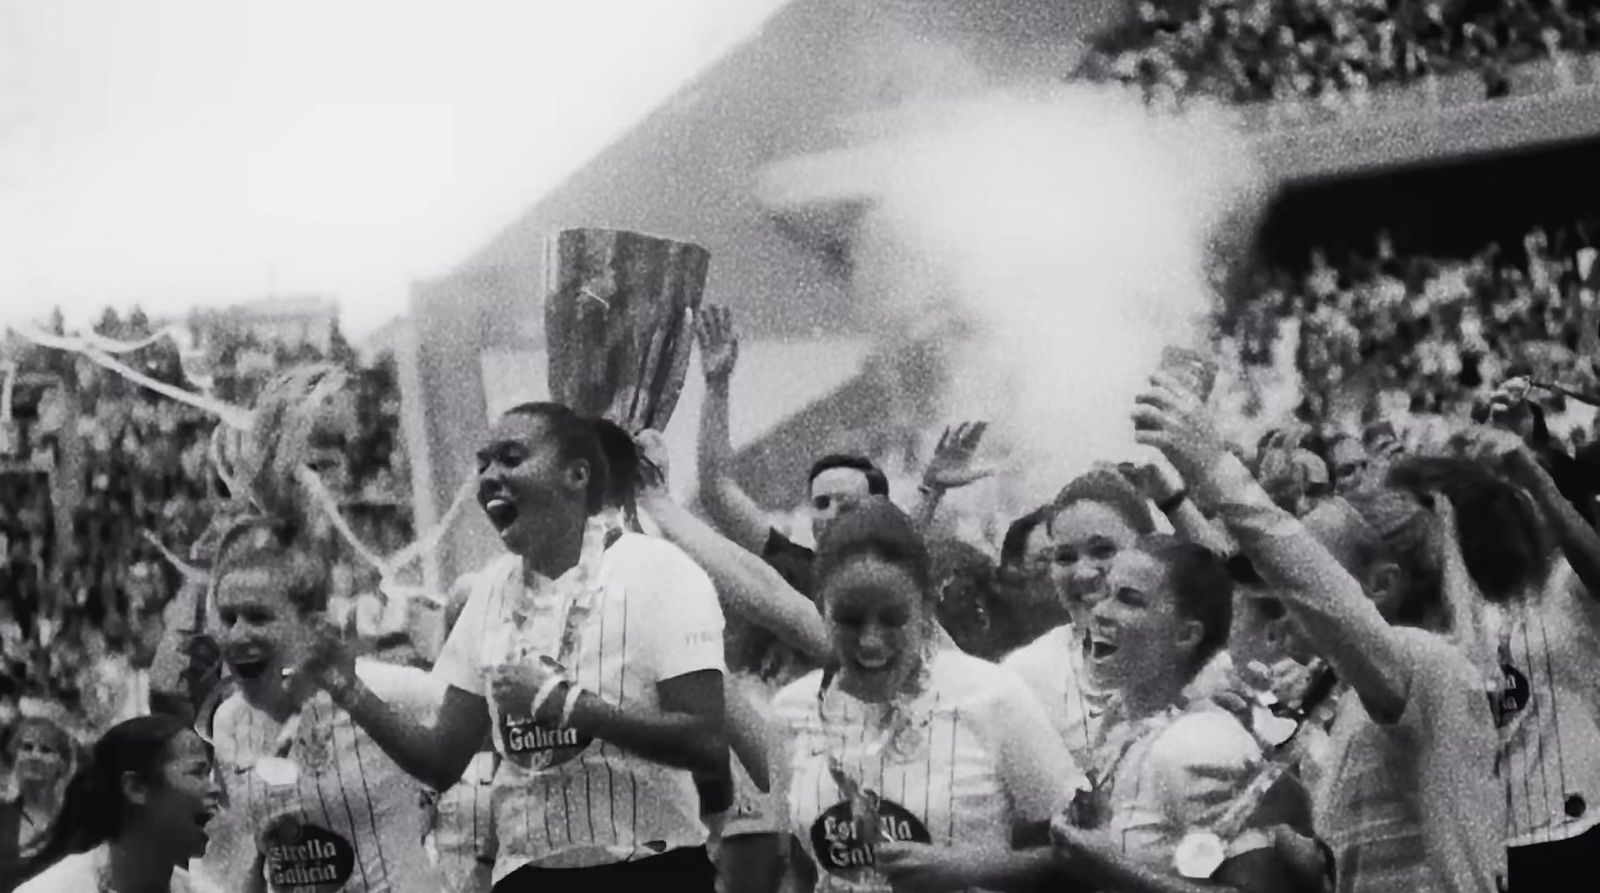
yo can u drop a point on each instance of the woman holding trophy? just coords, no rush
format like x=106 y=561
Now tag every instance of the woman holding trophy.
x=591 y=656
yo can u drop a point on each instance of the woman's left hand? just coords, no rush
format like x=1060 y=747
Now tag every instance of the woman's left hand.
x=514 y=685
x=921 y=867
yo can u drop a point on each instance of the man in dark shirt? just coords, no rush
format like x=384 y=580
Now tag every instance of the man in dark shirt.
x=838 y=482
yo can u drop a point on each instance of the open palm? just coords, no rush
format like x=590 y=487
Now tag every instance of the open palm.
x=952 y=464
x=719 y=343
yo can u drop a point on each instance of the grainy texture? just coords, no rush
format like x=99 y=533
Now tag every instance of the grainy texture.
x=618 y=310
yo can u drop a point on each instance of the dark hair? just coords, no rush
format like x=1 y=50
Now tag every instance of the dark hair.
x=616 y=468
x=1502 y=534
x=1014 y=548
x=1202 y=589
x=876 y=529
x=1110 y=489
x=299 y=568
x=1400 y=530
x=93 y=808
x=877 y=483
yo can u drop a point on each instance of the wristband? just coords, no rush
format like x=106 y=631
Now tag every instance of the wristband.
x=1173 y=503
x=573 y=693
x=545 y=691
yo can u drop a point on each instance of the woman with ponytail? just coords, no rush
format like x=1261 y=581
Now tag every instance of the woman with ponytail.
x=911 y=767
x=134 y=814
x=297 y=769
x=592 y=657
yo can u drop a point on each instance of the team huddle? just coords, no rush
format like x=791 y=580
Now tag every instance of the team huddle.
x=1392 y=688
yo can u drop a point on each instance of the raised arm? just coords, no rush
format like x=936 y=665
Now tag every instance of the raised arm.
x=1578 y=540
x=951 y=468
x=1327 y=602
x=747 y=587
x=1165 y=488
x=730 y=507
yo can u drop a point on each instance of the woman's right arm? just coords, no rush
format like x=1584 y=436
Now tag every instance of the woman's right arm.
x=435 y=752
x=747 y=586
x=1329 y=604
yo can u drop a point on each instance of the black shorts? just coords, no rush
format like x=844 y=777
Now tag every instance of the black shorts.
x=677 y=871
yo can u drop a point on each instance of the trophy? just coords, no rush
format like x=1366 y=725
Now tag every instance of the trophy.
x=618 y=315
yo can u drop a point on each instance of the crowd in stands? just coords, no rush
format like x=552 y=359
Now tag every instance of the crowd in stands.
x=1432 y=335
x=124 y=474
x=1331 y=52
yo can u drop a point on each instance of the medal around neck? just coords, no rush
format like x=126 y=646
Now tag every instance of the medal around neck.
x=277 y=771
x=1199 y=855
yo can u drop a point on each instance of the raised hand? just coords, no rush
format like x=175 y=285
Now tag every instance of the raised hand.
x=329 y=662
x=719 y=343
x=951 y=466
x=514 y=686
x=1173 y=419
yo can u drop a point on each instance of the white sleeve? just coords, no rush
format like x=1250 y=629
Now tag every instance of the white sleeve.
x=459 y=664
x=676 y=617
x=1039 y=775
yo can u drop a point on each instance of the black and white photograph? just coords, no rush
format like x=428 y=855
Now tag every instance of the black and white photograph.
x=799 y=446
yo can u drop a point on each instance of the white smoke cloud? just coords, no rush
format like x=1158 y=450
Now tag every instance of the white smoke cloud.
x=1069 y=230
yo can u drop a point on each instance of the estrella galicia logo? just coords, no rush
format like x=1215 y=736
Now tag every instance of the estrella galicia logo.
x=304 y=858
x=837 y=838
x=537 y=746
x=1513 y=695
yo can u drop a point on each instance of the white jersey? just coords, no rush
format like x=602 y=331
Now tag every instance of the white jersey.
x=561 y=799
x=974 y=757
x=1174 y=774
x=83 y=873
x=1052 y=665
x=351 y=821
x=1549 y=711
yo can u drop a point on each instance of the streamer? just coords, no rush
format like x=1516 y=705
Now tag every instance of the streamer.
x=266 y=460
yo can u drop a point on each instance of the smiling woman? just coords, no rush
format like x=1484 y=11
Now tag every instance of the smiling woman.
x=591 y=657
x=140 y=807
x=879 y=739
x=1172 y=778
x=296 y=768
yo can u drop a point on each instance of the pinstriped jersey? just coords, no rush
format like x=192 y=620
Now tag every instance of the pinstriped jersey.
x=976 y=758
x=1052 y=665
x=560 y=799
x=1548 y=711
x=351 y=822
